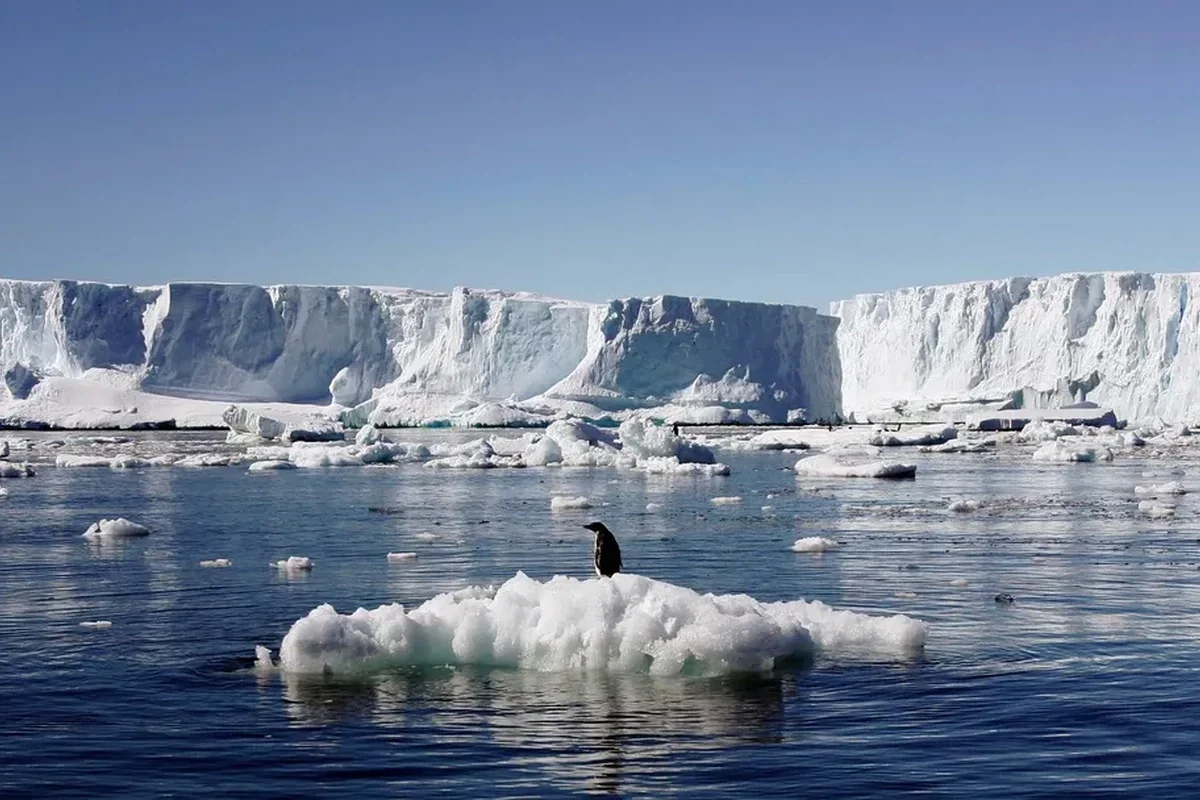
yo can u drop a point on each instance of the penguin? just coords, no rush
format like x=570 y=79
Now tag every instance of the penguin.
x=607 y=556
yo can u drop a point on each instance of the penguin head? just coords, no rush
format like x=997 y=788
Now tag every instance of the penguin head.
x=597 y=527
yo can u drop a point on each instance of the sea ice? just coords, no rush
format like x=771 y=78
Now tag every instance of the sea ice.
x=559 y=503
x=652 y=508
x=963 y=506
x=270 y=466
x=1062 y=451
x=814 y=544
x=626 y=623
x=9 y=469
x=295 y=564
x=217 y=562
x=115 y=529
x=725 y=501
x=1154 y=508
x=97 y=625
x=401 y=556
x=849 y=463
x=66 y=460
x=1168 y=488
x=924 y=435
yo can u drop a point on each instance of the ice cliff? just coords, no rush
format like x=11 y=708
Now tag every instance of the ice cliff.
x=1129 y=341
x=388 y=351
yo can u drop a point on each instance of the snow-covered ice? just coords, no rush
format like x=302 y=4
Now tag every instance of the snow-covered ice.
x=217 y=562
x=1168 y=488
x=814 y=544
x=560 y=503
x=627 y=623
x=295 y=564
x=1063 y=451
x=401 y=556
x=854 y=462
x=97 y=625
x=118 y=528
x=725 y=501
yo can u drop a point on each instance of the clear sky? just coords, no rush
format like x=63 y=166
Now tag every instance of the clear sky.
x=788 y=152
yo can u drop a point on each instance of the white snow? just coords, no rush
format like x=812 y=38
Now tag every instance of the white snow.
x=295 y=564
x=72 y=461
x=853 y=462
x=9 y=469
x=118 y=528
x=814 y=544
x=559 y=503
x=1168 y=488
x=1060 y=450
x=921 y=435
x=270 y=465
x=626 y=623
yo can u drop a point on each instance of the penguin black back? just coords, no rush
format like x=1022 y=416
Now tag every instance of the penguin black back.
x=607 y=553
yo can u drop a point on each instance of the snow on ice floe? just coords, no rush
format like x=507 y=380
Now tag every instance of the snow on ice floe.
x=961 y=446
x=1168 y=488
x=627 y=623
x=814 y=544
x=923 y=435
x=9 y=469
x=119 y=528
x=217 y=563
x=1060 y=451
x=401 y=556
x=725 y=501
x=270 y=465
x=560 y=503
x=853 y=462
x=295 y=564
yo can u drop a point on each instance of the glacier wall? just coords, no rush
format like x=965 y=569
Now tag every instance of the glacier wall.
x=349 y=345
x=1130 y=341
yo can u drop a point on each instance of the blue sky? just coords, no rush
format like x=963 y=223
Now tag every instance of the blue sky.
x=787 y=152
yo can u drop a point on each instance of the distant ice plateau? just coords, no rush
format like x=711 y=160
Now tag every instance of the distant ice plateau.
x=89 y=355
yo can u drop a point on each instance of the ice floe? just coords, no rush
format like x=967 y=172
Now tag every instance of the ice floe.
x=1058 y=450
x=9 y=469
x=814 y=544
x=626 y=623
x=560 y=503
x=1168 y=488
x=295 y=564
x=217 y=562
x=853 y=462
x=921 y=435
x=119 y=528
x=97 y=625
x=401 y=556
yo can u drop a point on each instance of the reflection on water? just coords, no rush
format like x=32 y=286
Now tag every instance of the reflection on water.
x=583 y=730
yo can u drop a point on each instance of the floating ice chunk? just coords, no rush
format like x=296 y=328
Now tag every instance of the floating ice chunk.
x=268 y=453
x=1046 y=430
x=924 y=435
x=238 y=437
x=542 y=452
x=1060 y=451
x=217 y=562
x=402 y=556
x=262 y=659
x=428 y=537
x=963 y=506
x=1168 y=488
x=959 y=582
x=243 y=420
x=3 y=492
x=725 y=501
x=97 y=625
x=768 y=509
x=72 y=461
x=314 y=431
x=903 y=595
x=165 y=460
x=814 y=544
x=118 y=528
x=295 y=564
x=368 y=434
x=653 y=508
x=272 y=465
x=309 y=457
x=626 y=623
x=10 y=470
x=672 y=466
x=657 y=441
x=201 y=460
x=782 y=439
x=559 y=503
x=128 y=462
x=961 y=446
x=845 y=465
x=1155 y=508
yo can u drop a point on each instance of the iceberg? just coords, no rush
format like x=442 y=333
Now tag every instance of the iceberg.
x=1126 y=341
x=79 y=354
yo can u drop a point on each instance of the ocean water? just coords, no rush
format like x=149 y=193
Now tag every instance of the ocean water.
x=1083 y=685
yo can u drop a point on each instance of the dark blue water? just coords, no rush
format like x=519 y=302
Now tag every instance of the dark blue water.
x=1084 y=685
